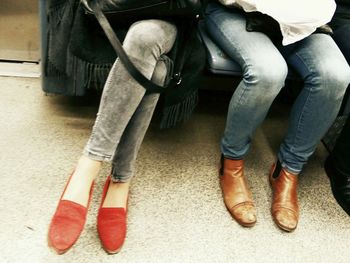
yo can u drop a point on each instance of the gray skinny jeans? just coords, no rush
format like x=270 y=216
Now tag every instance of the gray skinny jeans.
x=125 y=111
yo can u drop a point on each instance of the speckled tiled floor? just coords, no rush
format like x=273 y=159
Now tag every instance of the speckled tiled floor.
x=176 y=213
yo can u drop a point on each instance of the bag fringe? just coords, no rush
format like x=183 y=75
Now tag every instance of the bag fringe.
x=52 y=71
x=87 y=75
x=180 y=112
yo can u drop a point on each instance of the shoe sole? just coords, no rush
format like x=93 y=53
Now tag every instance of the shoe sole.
x=247 y=225
x=240 y=222
x=284 y=228
x=112 y=252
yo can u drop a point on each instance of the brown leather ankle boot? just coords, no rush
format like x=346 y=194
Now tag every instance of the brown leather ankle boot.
x=237 y=196
x=284 y=209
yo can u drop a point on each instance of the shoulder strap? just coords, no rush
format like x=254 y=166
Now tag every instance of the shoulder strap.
x=185 y=36
x=133 y=71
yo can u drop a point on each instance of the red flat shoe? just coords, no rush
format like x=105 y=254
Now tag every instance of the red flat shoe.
x=111 y=224
x=67 y=223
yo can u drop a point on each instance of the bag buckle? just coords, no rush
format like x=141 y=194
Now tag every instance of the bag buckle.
x=177 y=78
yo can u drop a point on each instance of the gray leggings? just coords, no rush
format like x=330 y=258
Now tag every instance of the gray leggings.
x=125 y=111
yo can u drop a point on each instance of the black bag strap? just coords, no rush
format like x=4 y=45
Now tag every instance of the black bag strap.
x=185 y=39
x=130 y=67
x=113 y=39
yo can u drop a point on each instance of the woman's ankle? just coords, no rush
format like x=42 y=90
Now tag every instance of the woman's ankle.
x=80 y=183
x=117 y=195
x=90 y=165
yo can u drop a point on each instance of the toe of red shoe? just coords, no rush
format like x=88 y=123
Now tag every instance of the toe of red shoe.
x=111 y=226
x=66 y=226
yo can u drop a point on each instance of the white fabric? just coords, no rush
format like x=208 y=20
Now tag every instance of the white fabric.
x=297 y=18
x=247 y=5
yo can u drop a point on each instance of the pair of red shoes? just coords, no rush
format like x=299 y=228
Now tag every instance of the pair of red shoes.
x=69 y=220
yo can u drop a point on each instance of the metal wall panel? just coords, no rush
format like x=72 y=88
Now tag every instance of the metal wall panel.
x=19 y=30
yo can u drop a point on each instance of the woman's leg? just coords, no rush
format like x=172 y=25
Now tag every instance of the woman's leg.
x=112 y=215
x=264 y=73
x=130 y=142
x=145 y=42
x=326 y=76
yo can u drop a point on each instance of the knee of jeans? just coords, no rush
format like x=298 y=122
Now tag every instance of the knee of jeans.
x=341 y=81
x=267 y=75
x=155 y=36
x=331 y=81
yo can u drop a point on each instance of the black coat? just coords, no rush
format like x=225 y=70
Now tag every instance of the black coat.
x=342 y=14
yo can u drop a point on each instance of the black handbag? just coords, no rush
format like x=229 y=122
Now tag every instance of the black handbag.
x=128 y=10
x=258 y=22
x=121 y=11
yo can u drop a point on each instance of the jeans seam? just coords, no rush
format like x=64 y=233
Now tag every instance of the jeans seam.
x=296 y=137
x=238 y=50
x=97 y=120
x=97 y=156
x=121 y=178
x=210 y=20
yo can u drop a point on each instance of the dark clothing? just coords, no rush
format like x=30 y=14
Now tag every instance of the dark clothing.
x=341 y=152
x=342 y=14
x=341 y=36
x=80 y=56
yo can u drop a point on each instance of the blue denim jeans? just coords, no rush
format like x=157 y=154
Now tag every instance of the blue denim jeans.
x=125 y=110
x=317 y=59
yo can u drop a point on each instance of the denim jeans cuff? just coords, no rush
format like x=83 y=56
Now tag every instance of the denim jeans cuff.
x=96 y=156
x=120 y=179
x=289 y=169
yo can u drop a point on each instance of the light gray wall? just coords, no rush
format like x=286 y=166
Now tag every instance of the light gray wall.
x=19 y=30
